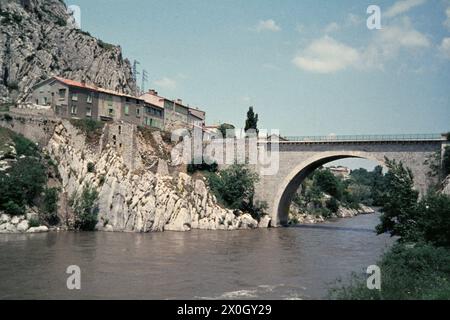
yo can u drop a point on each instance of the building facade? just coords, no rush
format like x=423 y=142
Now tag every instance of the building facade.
x=77 y=100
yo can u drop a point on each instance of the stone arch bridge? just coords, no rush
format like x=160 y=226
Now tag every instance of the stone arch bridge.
x=300 y=156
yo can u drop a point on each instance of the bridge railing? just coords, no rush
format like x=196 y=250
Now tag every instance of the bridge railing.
x=369 y=138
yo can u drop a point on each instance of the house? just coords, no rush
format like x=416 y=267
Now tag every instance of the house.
x=78 y=100
x=176 y=114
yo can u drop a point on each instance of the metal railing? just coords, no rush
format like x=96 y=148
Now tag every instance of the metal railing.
x=367 y=138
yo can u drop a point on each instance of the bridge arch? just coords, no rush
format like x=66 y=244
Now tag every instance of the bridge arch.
x=294 y=179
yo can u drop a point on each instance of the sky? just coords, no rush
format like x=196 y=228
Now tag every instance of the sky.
x=308 y=67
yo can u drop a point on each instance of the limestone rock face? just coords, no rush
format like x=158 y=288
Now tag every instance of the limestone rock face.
x=446 y=186
x=38 y=40
x=133 y=196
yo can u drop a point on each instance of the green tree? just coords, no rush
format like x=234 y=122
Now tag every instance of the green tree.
x=400 y=202
x=252 y=120
x=433 y=219
x=328 y=183
x=234 y=186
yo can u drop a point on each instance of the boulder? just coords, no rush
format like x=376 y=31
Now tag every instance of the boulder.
x=23 y=226
x=264 y=222
x=40 y=229
x=4 y=218
x=16 y=219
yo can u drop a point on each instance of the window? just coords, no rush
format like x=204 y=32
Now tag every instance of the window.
x=89 y=112
x=74 y=97
x=62 y=94
x=89 y=98
x=138 y=112
x=45 y=101
x=127 y=110
x=37 y=101
x=111 y=112
x=73 y=110
x=110 y=100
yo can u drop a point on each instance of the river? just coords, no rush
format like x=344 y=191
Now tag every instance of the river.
x=288 y=263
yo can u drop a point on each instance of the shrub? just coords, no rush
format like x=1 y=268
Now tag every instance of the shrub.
x=408 y=273
x=234 y=186
x=433 y=219
x=21 y=185
x=90 y=167
x=446 y=161
x=91 y=128
x=204 y=166
x=86 y=210
x=34 y=223
x=333 y=205
x=7 y=117
x=50 y=206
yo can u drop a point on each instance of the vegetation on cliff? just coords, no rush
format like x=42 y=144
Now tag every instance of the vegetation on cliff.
x=234 y=187
x=24 y=177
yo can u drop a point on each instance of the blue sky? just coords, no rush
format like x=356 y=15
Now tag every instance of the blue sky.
x=308 y=67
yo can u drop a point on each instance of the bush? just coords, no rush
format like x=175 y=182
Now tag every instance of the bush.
x=21 y=185
x=86 y=210
x=333 y=205
x=90 y=167
x=34 y=223
x=50 y=206
x=446 y=161
x=203 y=167
x=408 y=273
x=234 y=186
x=91 y=128
x=433 y=220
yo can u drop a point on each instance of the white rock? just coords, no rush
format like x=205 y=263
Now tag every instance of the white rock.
x=264 y=222
x=15 y=220
x=40 y=229
x=23 y=226
x=4 y=218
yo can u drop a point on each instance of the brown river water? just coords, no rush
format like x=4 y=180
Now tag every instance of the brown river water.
x=289 y=263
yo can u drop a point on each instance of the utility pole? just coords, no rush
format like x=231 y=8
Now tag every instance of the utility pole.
x=135 y=74
x=144 y=80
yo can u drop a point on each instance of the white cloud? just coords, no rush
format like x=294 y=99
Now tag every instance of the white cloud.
x=447 y=22
x=402 y=6
x=268 y=25
x=326 y=55
x=332 y=27
x=445 y=47
x=353 y=20
x=166 y=83
x=300 y=28
x=393 y=40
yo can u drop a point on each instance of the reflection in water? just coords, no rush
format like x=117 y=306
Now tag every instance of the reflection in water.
x=292 y=263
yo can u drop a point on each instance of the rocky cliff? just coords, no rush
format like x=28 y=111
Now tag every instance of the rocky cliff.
x=38 y=40
x=137 y=189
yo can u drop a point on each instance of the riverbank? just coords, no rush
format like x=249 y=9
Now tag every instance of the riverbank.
x=296 y=216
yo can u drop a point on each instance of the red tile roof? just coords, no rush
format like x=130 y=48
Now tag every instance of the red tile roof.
x=73 y=83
